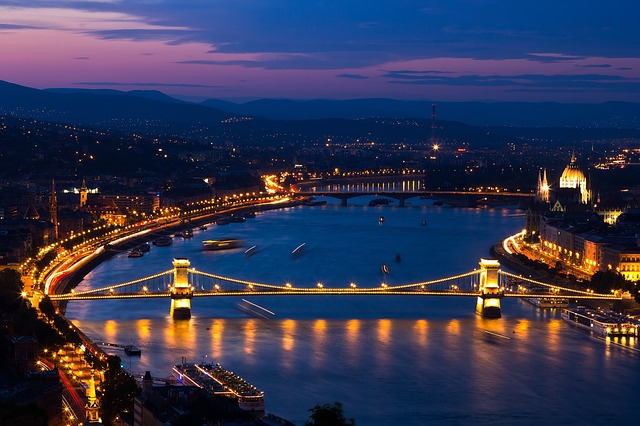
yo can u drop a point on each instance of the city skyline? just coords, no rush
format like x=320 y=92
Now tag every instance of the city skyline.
x=449 y=51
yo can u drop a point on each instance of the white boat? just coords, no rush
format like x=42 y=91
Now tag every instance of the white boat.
x=255 y=310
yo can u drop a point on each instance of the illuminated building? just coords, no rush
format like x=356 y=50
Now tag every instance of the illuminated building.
x=572 y=177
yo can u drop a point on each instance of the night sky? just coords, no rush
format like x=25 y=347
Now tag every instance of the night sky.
x=449 y=50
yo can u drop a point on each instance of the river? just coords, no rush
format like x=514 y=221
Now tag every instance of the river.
x=391 y=360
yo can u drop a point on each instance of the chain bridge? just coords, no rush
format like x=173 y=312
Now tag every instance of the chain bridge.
x=488 y=284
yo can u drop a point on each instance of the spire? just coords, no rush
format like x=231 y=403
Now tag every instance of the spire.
x=53 y=209
x=545 y=187
x=92 y=407
x=83 y=193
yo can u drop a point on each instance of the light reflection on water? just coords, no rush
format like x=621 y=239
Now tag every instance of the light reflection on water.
x=389 y=360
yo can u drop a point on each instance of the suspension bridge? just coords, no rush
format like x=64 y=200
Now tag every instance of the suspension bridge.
x=488 y=284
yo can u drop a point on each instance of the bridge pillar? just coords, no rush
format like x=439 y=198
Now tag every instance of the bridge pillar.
x=488 y=304
x=343 y=201
x=181 y=292
x=402 y=204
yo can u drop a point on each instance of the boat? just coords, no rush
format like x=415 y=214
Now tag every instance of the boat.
x=135 y=253
x=250 y=251
x=547 y=302
x=378 y=201
x=254 y=310
x=250 y=215
x=237 y=219
x=298 y=250
x=602 y=323
x=224 y=220
x=186 y=233
x=384 y=268
x=224 y=244
x=132 y=350
x=202 y=227
x=163 y=241
x=313 y=202
x=381 y=220
x=144 y=248
x=214 y=379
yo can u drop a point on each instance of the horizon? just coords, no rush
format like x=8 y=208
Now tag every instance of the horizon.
x=454 y=51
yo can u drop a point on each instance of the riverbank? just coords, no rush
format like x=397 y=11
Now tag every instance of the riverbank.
x=73 y=278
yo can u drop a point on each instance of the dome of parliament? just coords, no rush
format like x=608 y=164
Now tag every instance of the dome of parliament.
x=572 y=176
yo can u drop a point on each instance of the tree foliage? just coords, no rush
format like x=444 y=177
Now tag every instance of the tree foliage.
x=328 y=415
x=604 y=282
x=120 y=388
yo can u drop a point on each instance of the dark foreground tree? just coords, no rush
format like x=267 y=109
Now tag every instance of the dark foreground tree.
x=328 y=415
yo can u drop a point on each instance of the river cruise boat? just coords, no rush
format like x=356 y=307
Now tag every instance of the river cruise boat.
x=216 y=380
x=547 y=302
x=601 y=323
x=225 y=244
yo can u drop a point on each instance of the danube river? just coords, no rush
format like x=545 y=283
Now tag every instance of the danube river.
x=391 y=360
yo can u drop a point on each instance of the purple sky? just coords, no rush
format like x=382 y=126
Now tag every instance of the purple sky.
x=449 y=50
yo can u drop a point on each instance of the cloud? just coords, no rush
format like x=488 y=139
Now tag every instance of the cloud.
x=522 y=81
x=353 y=76
x=82 y=58
x=594 y=66
x=551 y=58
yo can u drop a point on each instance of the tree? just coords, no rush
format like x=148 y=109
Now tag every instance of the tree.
x=119 y=390
x=11 y=286
x=328 y=415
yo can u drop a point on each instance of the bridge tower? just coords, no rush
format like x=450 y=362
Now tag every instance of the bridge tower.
x=488 y=304
x=181 y=292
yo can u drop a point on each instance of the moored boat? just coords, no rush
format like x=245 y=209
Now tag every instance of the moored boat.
x=163 y=241
x=186 y=233
x=602 y=323
x=135 y=253
x=224 y=220
x=217 y=380
x=144 y=248
x=132 y=350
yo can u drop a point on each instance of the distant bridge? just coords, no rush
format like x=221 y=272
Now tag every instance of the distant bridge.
x=488 y=285
x=467 y=197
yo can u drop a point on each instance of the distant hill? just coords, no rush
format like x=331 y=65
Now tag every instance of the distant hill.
x=521 y=114
x=147 y=94
x=102 y=107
